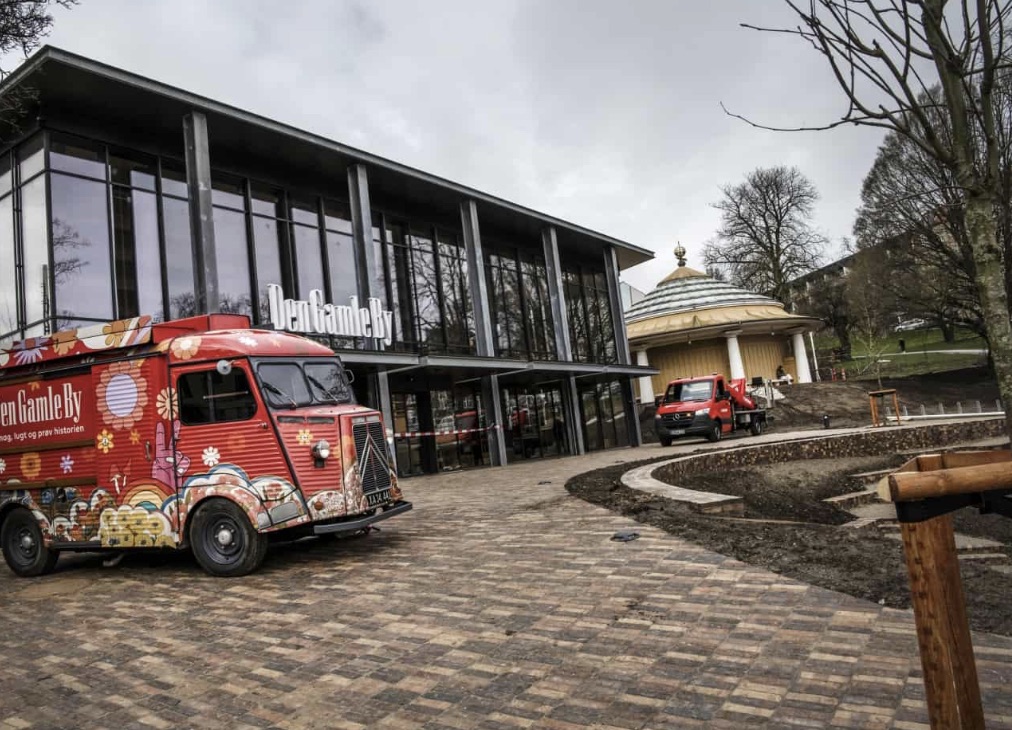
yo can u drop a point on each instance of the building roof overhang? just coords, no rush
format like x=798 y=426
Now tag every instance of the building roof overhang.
x=717 y=322
x=101 y=95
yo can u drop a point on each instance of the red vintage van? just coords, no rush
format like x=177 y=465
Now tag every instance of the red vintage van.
x=198 y=433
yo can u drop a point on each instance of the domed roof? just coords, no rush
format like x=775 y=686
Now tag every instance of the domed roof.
x=686 y=289
x=689 y=300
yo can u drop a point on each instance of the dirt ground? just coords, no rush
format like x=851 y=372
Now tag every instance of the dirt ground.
x=809 y=545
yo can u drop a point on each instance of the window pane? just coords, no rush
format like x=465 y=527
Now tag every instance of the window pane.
x=233 y=261
x=210 y=397
x=304 y=211
x=228 y=192
x=178 y=257
x=35 y=242
x=5 y=173
x=81 y=262
x=133 y=169
x=308 y=259
x=268 y=258
x=138 y=264
x=267 y=201
x=79 y=156
x=31 y=161
x=174 y=179
x=284 y=385
x=341 y=256
x=8 y=280
x=337 y=216
x=428 y=319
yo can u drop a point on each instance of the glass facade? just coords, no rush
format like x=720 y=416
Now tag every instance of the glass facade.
x=90 y=231
x=425 y=282
x=591 y=331
x=519 y=307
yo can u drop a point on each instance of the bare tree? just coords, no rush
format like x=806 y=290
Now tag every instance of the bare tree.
x=886 y=55
x=23 y=25
x=765 y=239
x=912 y=204
x=871 y=308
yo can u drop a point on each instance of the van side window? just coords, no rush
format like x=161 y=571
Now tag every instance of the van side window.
x=210 y=397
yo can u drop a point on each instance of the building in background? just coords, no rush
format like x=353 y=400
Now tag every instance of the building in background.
x=692 y=324
x=457 y=312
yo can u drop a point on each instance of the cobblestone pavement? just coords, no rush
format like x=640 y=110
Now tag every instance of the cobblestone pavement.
x=499 y=602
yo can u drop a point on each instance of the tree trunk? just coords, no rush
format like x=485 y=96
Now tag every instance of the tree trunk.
x=990 y=280
x=948 y=330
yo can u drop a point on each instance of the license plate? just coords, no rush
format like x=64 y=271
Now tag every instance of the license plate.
x=378 y=497
x=678 y=432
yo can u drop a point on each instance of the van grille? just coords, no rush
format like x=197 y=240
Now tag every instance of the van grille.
x=371 y=451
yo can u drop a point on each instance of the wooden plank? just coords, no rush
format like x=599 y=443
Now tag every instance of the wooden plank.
x=943 y=634
x=956 y=459
x=882 y=486
x=905 y=487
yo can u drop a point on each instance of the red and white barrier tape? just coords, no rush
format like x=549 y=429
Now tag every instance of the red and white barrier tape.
x=416 y=434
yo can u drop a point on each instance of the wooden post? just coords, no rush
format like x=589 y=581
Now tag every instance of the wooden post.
x=950 y=673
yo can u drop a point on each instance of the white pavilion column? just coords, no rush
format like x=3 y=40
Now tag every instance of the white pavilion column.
x=734 y=355
x=801 y=358
x=646 y=382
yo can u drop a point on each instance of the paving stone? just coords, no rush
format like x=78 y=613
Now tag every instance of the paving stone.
x=497 y=603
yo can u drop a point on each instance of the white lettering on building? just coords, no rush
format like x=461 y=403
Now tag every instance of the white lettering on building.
x=317 y=316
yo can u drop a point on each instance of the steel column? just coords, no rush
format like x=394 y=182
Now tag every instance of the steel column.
x=632 y=413
x=560 y=317
x=493 y=415
x=198 y=178
x=615 y=301
x=571 y=398
x=361 y=221
x=386 y=409
x=476 y=284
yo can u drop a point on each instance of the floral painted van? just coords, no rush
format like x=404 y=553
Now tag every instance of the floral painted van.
x=198 y=433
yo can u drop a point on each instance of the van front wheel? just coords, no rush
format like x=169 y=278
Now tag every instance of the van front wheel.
x=23 y=547
x=715 y=433
x=224 y=541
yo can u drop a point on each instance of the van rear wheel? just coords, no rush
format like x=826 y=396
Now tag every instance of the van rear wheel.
x=24 y=549
x=224 y=541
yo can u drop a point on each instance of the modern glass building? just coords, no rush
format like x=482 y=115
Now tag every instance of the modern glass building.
x=485 y=332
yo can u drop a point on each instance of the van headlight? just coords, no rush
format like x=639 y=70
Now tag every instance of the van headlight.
x=702 y=411
x=321 y=450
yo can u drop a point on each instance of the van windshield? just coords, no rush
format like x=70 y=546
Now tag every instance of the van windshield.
x=695 y=390
x=297 y=384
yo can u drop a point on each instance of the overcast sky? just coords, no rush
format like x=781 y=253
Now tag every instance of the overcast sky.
x=603 y=113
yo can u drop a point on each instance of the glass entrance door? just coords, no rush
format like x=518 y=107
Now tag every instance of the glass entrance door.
x=534 y=422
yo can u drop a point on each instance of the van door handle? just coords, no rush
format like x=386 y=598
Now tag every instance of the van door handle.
x=147 y=450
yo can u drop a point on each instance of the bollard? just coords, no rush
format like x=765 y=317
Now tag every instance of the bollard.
x=959 y=407
x=923 y=411
x=941 y=409
x=906 y=413
x=978 y=407
x=825 y=420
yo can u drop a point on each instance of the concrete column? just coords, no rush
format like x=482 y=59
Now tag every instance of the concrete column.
x=646 y=382
x=493 y=415
x=574 y=424
x=198 y=178
x=478 y=289
x=615 y=301
x=361 y=221
x=556 y=294
x=386 y=409
x=801 y=358
x=734 y=355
